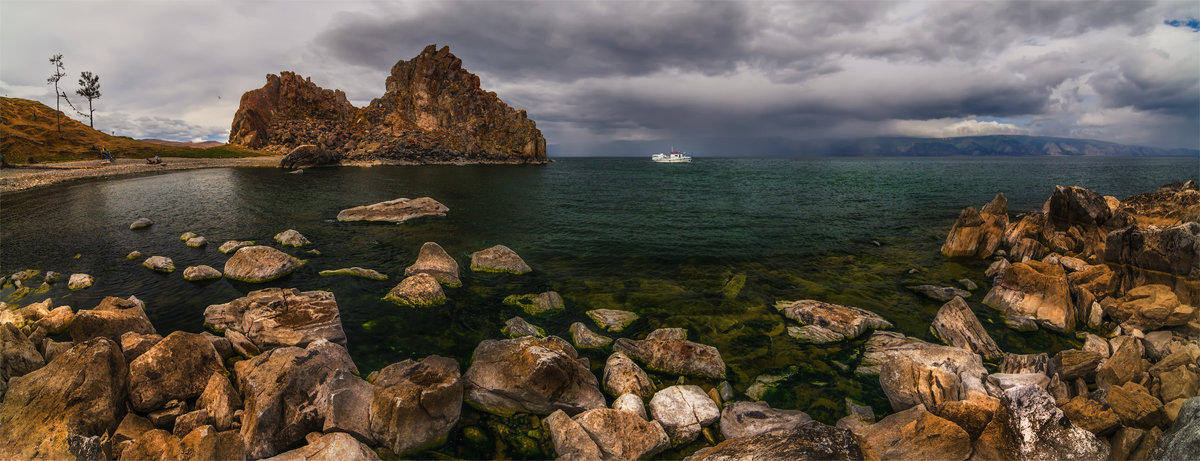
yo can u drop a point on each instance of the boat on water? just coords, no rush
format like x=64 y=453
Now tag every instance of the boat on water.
x=673 y=157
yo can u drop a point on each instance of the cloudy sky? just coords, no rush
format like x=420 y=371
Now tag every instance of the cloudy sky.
x=592 y=72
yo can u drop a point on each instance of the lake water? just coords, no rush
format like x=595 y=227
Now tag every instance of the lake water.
x=664 y=241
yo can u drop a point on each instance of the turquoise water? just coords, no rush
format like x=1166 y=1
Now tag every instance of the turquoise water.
x=665 y=241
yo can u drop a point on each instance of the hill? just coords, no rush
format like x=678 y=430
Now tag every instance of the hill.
x=27 y=132
x=966 y=146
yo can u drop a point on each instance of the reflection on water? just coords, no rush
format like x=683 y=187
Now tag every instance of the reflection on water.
x=661 y=240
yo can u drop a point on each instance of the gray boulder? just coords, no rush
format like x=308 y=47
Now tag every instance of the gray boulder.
x=744 y=419
x=683 y=411
x=667 y=350
x=622 y=376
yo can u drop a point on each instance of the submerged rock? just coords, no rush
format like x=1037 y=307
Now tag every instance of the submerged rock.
x=394 y=211
x=528 y=374
x=356 y=272
x=667 y=350
x=611 y=319
x=845 y=321
x=276 y=317
x=517 y=327
x=1032 y=293
x=198 y=273
x=257 y=264
x=80 y=281
x=231 y=246
x=940 y=293
x=583 y=338
x=498 y=259
x=134 y=255
x=291 y=238
x=744 y=419
x=421 y=290
x=434 y=260
x=62 y=410
x=537 y=304
x=141 y=223
x=683 y=410
x=957 y=325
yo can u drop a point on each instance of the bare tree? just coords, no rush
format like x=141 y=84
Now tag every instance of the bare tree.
x=58 y=74
x=89 y=87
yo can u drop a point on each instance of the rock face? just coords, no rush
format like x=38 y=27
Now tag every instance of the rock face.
x=257 y=264
x=178 y=367
x=667 y=350
x=433 y=260
x=433 y=111
x=529 y=374
x=683 y=410
x=1032 y=293
x=394 y=211
x=307 y=156
x=978 y=233
x=61 y=411
x=498 y=259
x=275 y=317
x=807 y=442
x=844 y=321
x=956 y=324
x=421 y=290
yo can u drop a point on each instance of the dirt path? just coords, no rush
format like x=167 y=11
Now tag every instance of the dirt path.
x=24 y=177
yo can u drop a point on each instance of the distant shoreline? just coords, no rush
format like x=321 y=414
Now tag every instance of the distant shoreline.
x=26 y=177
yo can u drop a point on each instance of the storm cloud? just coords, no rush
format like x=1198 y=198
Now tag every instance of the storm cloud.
x=594 y=72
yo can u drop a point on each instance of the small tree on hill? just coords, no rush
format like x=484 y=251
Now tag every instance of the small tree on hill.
x=89 y=87
x=58 y=74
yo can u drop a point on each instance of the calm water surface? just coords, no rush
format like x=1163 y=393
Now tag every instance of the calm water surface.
x=670 y=242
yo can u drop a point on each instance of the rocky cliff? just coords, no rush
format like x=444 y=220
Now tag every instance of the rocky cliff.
x=432 y=111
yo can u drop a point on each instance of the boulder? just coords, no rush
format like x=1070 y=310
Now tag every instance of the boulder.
x=18 y=356
x=336 y=446
x=1182 y=441
x=111 y=319
x=622 y=435
x=177 y=367
x=359 y=272
x=683 y=411
x=231 y=246
x=537 y=304
x=1090 y=415
x=1126 y=364
x=1135 y=406
x=1149 y=307
x=622 y=376
x=957 y=325
x=1073 y=363
x=908 y=383
x=1071 y=206
x=186 y=422
x=940 y=293
x=159 y=264
x=631 y=403
x=131 y=428
x=1025 y=363
x=744 y=419
x=188 y=235
x=1098 y=279
x=973 y=415
x=528 y=374
x=133 y=255
x=887 y=346
x=997 y=383
x=416 y=403
x=667 y=350
x=1032 y=293
x=1173 y=249
x=997 y=268
x=433 y=260
x=978 y=233
x=155 y=444
x=517 y=327
x=206 y=442
x=1034 y=428
x=61 y=411
x=220 y=400
x=916 y=433
x=498 y=259
x=141 y=223
x=1178 y=383
x=291 y=238
x=421 y=290
x=198 y=273
x=274 y=317
x=280 y=388
x=394 y=211
x=804 y=443
x=80 y=281
x=612 y=320
x=583 y=338
x=196 y=242
x=308 y=156
x=1125 y=442
x=570 y=440
x=257 y=264
x=134 y=344
x=848 y=322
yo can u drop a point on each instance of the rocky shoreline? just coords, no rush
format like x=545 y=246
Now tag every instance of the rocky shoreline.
x=32 y=177
x=271 y=378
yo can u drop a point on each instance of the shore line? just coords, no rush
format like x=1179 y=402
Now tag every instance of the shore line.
x=28 y=177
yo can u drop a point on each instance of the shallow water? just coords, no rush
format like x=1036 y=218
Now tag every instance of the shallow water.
x=661 y=240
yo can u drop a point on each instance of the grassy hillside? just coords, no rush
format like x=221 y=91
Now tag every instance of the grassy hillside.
x=27 y=131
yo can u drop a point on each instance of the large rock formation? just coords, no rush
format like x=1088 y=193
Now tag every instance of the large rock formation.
x=433 y=111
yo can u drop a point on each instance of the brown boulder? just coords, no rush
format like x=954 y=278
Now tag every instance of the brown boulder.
x=888 y=346
x=978 y=233
x=1032 y=293
x=1072 y=205
x=973 y=414
x=499 y=258
x=220 y=400
x=622 y=376
x=420 y=290
x=956 y=324
x=1135 y=406
x=178 y=367
x=814 y=441
x=916 y=433
x=845 y=321
x=1125 y=364
x=334 y=446
x=156 y=444
x=416 y=403
x=622 y=435
x=18 y=355
x=1072 y=363
x=908 y=383
x=434 y=260
x=1090 y=415
x=111 y=319
x=395 y=211
x=667 y=350
x=257 y=264
x=1149 y=307
x=275 y=317
x=743 y=419
x=205 y=443
x=529 y=374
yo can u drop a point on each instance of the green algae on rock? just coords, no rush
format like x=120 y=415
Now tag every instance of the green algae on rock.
x=421 y=290
x=257 y=264
x=499 y=258
x=536 y=304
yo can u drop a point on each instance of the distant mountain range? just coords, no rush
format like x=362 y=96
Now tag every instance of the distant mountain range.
x=967 y=146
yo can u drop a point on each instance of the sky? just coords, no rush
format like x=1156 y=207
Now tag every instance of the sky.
x=595 y=72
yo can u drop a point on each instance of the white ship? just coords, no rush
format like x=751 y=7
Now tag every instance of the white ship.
x=673 y=157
